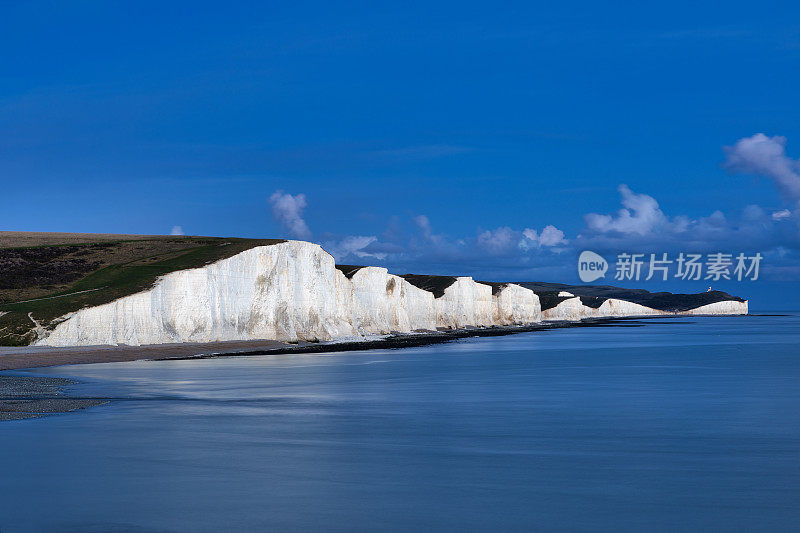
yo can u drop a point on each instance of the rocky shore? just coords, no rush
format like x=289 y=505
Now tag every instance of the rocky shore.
x=24 y=397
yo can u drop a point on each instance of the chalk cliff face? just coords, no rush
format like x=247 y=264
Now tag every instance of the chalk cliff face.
x=292 y=291
x=286 y=291
x=419 y=304
x=728 y=307
x=614 y=307
x=465 y=303
x=574 y=309
x=289 y=291
x=569 y=309
x=382 y=303
x=515 y=305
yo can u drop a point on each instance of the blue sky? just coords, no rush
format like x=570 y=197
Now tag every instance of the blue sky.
x=138 y=117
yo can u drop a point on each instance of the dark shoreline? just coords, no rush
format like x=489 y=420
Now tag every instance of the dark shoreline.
x=398 y=341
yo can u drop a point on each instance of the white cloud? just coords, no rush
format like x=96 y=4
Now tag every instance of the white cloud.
x=288 y=211
x=781 y=215
x=497 y=241
x=424 y=224
x=426 y=229
x=353 y=246
x=551 y=236
x=766 y=156
x=639 y=216
x=176 y=230
x=531 y=234
x=642 y=226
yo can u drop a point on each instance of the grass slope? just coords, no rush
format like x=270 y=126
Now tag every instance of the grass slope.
x=434 y=284
x=349 y=270
x=50 y=280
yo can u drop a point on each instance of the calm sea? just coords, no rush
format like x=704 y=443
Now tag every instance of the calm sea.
x=690 y=424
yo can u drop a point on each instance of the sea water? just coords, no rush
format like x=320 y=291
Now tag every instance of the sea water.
x=684 y=424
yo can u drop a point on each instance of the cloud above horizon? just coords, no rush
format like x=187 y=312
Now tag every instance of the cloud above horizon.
x=639 y=225
x=353 y=246
x=550 y=237
x=287 y=210
x=640 y=215
x=412 y=244
x=766 y=156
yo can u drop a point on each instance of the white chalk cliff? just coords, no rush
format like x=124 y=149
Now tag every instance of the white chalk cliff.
x=575 y=309
x=292 y=291
x=513 y=305
x=727 y=307
x=379 y=303
x=465 y=303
